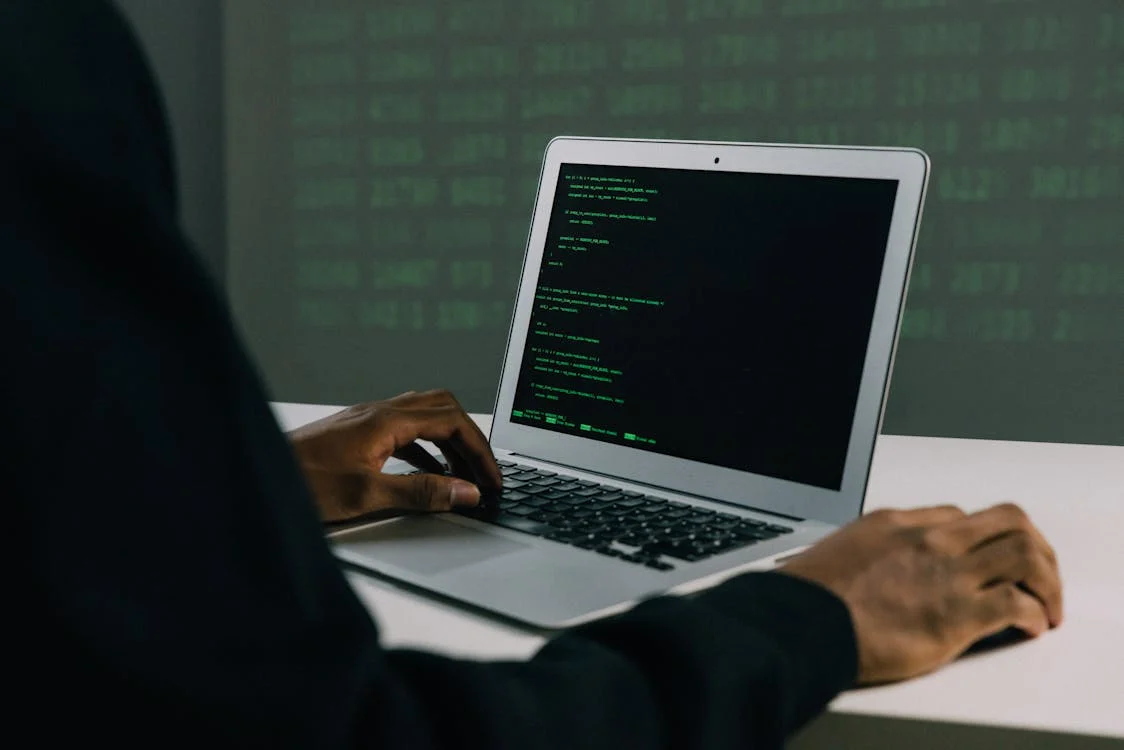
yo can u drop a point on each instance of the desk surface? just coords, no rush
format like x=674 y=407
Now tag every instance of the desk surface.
x=1069 y=681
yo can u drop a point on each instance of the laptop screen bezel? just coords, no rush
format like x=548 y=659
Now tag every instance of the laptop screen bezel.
x=909 y=167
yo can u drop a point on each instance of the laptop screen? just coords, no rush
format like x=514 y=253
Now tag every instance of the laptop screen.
x=720 y=317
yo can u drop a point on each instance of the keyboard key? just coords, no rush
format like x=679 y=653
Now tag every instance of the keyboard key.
x=635 y=539
x=778 y=529
x=565 y=536
x=591 y=516
x=680 y=551
x=518 y=523
x=575 y=500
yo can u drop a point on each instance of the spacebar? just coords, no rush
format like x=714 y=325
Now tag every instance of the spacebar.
x=518 y=523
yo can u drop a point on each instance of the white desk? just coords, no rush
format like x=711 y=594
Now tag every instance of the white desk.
x=1069 y=684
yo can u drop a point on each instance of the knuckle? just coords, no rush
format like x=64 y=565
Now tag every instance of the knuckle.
x=931 y=540
x=1022 y=544
x=1051 y=555
x=1008 y=597
x=1014 y=513
x=887 y=516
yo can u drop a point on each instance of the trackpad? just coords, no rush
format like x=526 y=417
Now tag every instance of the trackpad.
x=425 y=545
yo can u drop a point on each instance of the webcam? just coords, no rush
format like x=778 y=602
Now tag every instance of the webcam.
x=716 y=160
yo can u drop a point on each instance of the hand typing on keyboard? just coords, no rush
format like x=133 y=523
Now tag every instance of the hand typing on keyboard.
x=623 y=524
x=342 y=457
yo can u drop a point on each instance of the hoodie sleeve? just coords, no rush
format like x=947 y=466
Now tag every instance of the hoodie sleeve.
x=172 y=583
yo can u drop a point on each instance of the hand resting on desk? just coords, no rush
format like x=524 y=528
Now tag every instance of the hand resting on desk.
x=924 y=586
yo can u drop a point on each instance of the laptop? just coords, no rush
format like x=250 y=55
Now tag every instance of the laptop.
x=695 y=375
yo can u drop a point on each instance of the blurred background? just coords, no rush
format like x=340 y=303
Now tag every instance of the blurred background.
x=360 y=174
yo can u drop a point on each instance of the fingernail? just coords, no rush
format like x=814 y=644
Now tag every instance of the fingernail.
x=465 y=493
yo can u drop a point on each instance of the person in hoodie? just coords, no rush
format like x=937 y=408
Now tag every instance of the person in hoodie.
x=169 y=582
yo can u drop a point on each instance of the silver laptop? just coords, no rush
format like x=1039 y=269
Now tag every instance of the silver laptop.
x=694 y=380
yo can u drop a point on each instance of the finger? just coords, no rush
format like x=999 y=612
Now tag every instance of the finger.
x=435 y=399
x=1023 y=520
x=978 y=528
x=458 y=466
x=419 y=458
x=339 y=496
x=1017 y=558
x=452 y=430
x=423 y=492
x=1006 y=605
x=917 y=517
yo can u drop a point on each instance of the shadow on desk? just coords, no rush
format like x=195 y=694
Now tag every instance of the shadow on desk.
x=859 y=732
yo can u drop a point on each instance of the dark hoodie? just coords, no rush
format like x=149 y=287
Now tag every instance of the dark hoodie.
x=169 y=584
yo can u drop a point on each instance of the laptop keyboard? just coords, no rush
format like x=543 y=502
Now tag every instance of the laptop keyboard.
x=622 y=524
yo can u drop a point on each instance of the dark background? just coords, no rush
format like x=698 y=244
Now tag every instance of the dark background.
x=380 y=161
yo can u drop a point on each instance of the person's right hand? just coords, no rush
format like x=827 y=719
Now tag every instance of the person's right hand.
x=924 y=585
x=342 y=457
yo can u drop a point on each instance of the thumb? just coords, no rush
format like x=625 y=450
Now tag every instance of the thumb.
x=426 y=492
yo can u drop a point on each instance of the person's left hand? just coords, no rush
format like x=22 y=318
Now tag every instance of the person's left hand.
x=342 y=457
